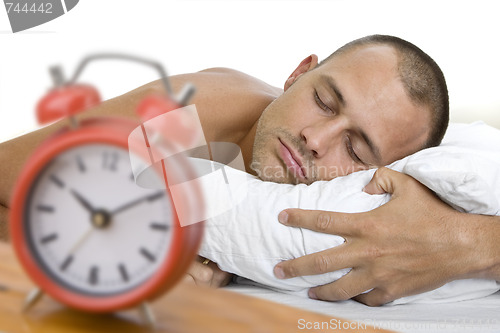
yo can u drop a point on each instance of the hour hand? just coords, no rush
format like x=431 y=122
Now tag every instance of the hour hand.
x=83 y=201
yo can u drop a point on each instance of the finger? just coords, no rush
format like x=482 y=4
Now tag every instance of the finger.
x=188 y=279
x=385 y=180
x=375 y=297
x=350 y=285
x=342 y=224
x=220 y=278
x=202 y=274
x=201 y=260
x=321 y=262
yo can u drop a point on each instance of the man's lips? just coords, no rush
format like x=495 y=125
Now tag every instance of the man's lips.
x=292 y=160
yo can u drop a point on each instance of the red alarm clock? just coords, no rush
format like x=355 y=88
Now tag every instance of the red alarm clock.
x=82 y=229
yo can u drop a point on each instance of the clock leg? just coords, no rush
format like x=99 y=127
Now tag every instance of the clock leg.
x=148 y=315
x=31 y=299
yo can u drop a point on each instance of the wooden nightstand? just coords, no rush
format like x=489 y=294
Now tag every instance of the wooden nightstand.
x=187 y=308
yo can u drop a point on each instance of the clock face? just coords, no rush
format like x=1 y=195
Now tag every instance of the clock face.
x=91 y=228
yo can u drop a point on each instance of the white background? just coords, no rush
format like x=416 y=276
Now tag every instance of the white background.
x=264 y=38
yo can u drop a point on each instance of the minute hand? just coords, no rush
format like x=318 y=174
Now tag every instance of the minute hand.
x=135 y=202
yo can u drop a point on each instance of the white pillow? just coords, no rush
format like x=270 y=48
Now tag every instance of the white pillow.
x=249 y=241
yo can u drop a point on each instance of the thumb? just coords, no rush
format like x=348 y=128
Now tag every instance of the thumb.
x=384 y=180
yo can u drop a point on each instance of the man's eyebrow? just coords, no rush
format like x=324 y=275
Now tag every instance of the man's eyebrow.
x=374 y=149
x=334 y=87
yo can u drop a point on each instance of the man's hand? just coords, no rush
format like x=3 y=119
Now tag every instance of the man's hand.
x=412 y=244
x=207 y=275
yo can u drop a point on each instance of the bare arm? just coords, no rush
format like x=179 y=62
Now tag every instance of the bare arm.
x=484 y=232
x=412 y=244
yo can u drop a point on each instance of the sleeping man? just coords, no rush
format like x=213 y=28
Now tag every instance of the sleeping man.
x=373 y=101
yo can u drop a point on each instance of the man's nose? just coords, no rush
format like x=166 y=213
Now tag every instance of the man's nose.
x=323 y=135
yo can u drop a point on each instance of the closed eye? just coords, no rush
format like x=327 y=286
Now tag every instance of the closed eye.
x=352 y=153
x=320 y=103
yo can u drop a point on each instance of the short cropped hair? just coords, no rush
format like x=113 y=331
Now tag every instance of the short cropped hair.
x=421 y=76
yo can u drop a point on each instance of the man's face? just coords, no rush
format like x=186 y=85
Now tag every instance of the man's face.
x=349 y=114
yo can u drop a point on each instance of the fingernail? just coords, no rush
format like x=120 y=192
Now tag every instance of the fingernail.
x=283 y=217
x=312 y=294
x=278 y=272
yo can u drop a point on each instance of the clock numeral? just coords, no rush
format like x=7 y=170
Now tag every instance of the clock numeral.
x=159 y=226
x=94 y=275
x=110 y=161
x=146 y=254
x=57 y=181
x=81 y=165
x=66 y=262
x=49 y=238
x=123 y=272
x=45 y=208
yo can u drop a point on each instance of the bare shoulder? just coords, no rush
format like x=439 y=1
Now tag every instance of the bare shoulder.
x=235 y=80
x=227 y=82
x=228 y=101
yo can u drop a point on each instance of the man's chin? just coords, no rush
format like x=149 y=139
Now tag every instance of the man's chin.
x=279 y=177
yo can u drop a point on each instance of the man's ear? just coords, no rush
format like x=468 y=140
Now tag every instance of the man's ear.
x=306 y=65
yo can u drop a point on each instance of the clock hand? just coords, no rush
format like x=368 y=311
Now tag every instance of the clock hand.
x=135 y=202
x=81 y=240
x=83 y=201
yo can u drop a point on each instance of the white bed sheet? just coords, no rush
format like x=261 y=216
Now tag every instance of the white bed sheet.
x=478 y=315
